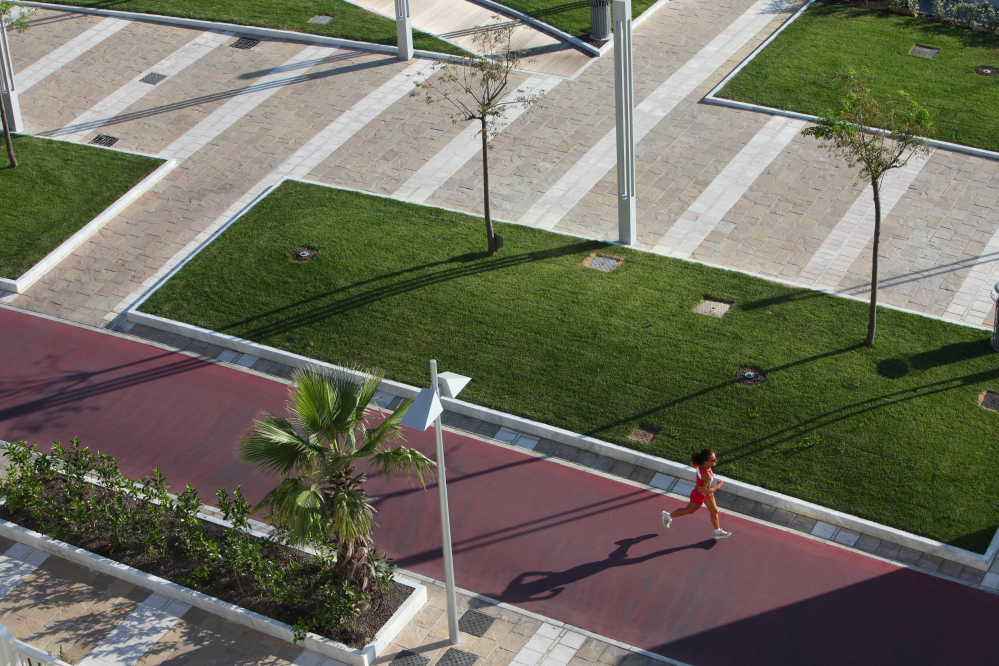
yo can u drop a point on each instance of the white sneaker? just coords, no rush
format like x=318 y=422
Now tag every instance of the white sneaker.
x=667 y=519
x=722 y=534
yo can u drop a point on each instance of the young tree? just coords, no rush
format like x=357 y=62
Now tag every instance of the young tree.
x=17 y=22
x=878 y=136
x=322 y=496
x=473 y=87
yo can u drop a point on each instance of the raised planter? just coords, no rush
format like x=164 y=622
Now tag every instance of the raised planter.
x=353 y=657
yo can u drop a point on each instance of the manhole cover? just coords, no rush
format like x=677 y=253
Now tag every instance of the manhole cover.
x=643 y=434
x=475 y=623
x=924 y=51
x=104 y=140
x=321 y=20
x=408 y=658
x=990 y=400
x=604 y=262
x=456 y=657
x=244 y=43
x=986 y=71
x=152 y=78
x=304 y=253
x=713 y=308
x=750 y=375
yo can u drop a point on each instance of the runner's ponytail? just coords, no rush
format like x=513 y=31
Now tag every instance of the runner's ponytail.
x=698 y=458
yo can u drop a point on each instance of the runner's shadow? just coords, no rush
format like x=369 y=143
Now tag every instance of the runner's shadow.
x=544 y=585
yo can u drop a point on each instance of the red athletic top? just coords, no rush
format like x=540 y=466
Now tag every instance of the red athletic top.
x=700 y=480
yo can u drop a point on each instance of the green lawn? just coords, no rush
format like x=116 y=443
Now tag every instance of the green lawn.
x=793 y=71
x=349 y=21
x=570 y=17
x=892 y=433
x=57 y=188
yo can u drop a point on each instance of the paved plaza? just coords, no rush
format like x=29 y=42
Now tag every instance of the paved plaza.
x=730 y=187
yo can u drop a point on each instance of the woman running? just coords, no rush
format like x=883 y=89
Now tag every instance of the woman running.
x=703 y=493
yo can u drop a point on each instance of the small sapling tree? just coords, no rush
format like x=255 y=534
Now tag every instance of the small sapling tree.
x=12 y=15
x=877 y=136
x=474 y=88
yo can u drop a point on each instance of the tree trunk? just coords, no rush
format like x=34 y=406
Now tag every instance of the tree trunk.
x=6 y=136
x=872 y=317
x=490 y=236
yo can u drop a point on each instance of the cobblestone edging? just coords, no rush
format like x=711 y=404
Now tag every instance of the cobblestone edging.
x=84 y=233
x=169 y=590
x=861 y=536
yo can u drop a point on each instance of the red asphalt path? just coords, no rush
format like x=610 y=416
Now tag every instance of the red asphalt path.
x=543 y=536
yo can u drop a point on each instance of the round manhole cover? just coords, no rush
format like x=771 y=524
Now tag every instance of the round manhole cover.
x=750 y=375
x=304 y=253
x=986 y=70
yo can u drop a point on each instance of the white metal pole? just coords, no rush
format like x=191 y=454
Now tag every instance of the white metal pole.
x=8 y=88
x=452 y=601
x=404 y=29
x=624 y=94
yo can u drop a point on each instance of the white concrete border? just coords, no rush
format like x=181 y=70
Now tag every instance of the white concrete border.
x=542 y=26
x=352 y=657
x=711 y=98
x=593 y=445
x=270 y=33
x=33 y=274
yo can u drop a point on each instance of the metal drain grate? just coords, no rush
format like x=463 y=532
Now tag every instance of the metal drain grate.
x=924 y=51
x=104 y=140
x=604 y=262
x=643 y=434
x=321 y=19
x=245 y=43
x=407 y=658
x=456 y=657
x=152 y=78
x=475 y=623
x=713 y=308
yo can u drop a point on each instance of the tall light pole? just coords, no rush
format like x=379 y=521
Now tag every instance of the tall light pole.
x=624 y=95
x=8 y=88
x=427 y=409
x=404 y=29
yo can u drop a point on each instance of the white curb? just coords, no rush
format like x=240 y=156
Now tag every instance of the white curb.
x=352 y=657
x=35 y=273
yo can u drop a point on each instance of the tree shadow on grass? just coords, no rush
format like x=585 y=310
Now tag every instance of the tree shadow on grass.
x=896 y=368
x=386 y=286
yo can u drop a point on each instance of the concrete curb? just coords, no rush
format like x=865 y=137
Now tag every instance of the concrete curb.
x=33 y=274
x=711 y=98
x=542 y=26
x=360 y=657
x=270 y=33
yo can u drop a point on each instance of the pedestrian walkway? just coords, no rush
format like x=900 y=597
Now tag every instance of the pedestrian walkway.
x=530 y=528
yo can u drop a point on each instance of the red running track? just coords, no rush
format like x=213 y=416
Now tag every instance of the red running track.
x=548 y=538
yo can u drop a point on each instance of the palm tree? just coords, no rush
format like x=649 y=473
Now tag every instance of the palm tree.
x=322 y=497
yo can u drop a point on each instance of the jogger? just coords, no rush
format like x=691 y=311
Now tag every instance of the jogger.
x=703 y=492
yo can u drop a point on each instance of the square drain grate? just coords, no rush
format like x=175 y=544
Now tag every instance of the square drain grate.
x=456 y=657
x=152 y=78
x=475 y=623
x=643 y=434
x=244 y=43
x=104 y=140
x=604 y=262
x=990 y=400
x=407 y=658
x=713 y=308
x=924 y=51
x=321 y=19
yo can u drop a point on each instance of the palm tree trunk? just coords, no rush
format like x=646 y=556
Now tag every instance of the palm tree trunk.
x=490 y=236
x=6 y=136
x=872 y=317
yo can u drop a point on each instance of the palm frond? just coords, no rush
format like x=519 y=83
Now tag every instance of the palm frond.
x=276 y=447
x=404 y=460
x=299 y=507
x=350 y=515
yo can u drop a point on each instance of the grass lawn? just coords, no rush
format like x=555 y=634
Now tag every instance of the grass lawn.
x=892 y=433
x=793 y=71
x=349 y=21
x=570 y=17
x=57 y=188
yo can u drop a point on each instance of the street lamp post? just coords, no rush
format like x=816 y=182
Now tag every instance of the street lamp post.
x=404 y=29
x=427 y=409
x=624 y=96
